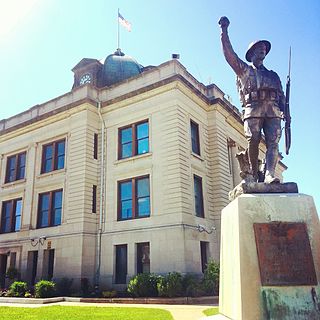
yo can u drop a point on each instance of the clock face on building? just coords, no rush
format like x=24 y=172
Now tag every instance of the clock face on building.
x=86 y=78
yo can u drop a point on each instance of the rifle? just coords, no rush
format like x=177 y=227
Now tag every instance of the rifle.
x=287 y=117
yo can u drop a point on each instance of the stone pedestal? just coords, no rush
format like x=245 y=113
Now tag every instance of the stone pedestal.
x=283 y=292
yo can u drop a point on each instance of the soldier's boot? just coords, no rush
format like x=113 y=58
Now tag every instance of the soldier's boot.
x=270 y=178
x=249 y=178
x=253 y=152
x=271 y=162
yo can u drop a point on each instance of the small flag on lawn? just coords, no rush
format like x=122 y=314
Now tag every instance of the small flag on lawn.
x=125 y=23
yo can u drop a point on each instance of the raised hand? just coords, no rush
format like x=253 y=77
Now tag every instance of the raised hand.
x=224 y=22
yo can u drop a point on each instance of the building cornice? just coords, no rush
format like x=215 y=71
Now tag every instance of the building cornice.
x=41 y=120
x=169 y=74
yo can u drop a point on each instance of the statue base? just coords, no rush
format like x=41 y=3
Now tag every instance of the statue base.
x=270 y=258
x=262 y=187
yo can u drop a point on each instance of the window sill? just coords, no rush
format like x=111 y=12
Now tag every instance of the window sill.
x=13 y=183
x=197 y=156
x=38 y=227
x=131 y=159
x=48 y=174
x=9 y=232
x=133 y=219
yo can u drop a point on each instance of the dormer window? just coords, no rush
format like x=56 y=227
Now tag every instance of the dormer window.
x=87 y=71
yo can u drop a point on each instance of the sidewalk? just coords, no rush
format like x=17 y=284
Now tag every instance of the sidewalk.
x=179 y=312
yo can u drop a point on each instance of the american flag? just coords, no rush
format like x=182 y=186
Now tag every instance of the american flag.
x=125 y=23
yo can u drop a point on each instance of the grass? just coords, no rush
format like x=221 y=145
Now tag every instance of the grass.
x=211 y=311
x=83 y=313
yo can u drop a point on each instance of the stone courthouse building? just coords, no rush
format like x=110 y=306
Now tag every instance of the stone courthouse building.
x=126 y=173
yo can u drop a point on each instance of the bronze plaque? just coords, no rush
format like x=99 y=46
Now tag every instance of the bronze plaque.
x=284 y=254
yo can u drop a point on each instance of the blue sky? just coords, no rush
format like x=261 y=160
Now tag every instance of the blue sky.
x=42 y=40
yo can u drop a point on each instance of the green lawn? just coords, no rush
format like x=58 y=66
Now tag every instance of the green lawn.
x=211 y=311
x=83 y=313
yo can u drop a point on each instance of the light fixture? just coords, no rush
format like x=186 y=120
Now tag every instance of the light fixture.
x=202 y=228
x=36 y=241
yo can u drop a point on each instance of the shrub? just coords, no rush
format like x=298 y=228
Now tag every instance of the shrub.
x=211 y=278
x=17 y=289
x=12 y=273
x=109 y=294
x=192 y=285
x=44 y=289
x=28 y=295
x=143 y=285
x=170 y=285
x=63 y=287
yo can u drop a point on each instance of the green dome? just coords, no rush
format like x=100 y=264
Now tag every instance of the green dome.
x=118 y=67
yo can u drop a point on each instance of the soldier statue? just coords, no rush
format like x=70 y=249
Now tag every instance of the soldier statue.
x=263 y=103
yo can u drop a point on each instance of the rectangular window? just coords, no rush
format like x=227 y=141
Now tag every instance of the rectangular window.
x=53 y=155
x=231 y=145
x=32 y=264
x=195 y=141
x=95 y=146
x=204 y=247
x=121 y=264
x=143 y=257
x=133 y=140
x=16 y=166
x=48 y=264
x=49 y=209
x=198 y=196
x=134 y=198
x=11 y=216
x=3 y=270
x=94 y=199
x=13 y=259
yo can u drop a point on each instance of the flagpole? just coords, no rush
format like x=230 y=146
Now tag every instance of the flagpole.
x=118 y=30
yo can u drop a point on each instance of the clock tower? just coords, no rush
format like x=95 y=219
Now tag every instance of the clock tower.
x=87 y=71
x=116 y=68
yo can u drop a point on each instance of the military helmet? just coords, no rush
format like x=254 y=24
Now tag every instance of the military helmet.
x=253 y=45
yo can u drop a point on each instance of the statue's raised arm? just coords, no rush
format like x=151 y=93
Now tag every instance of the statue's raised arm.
x=234 y=61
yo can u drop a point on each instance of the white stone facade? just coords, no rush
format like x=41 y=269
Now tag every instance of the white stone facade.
x=169 y=98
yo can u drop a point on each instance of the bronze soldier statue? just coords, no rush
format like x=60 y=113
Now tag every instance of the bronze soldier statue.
x=263 y=102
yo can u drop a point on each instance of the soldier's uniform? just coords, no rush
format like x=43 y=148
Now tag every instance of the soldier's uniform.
x=263 y=101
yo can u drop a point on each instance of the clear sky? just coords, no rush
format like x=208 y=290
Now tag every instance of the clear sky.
x=42 y=40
